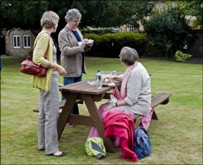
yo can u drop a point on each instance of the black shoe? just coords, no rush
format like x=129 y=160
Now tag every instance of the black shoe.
x=41 y=149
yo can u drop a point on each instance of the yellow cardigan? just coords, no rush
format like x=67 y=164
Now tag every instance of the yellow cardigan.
x=41 y=44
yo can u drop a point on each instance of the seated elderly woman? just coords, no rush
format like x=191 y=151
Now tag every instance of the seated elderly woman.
x=134 y=96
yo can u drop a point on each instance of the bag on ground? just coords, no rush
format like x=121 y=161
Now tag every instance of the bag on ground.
x=142 y=144
x=94 y=146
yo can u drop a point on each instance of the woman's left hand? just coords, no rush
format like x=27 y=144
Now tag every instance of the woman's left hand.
x=61 y=70
x=89 y=45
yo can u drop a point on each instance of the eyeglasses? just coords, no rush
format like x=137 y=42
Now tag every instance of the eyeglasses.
x=76 y=21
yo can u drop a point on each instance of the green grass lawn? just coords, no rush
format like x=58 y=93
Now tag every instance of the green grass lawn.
x=176 y=137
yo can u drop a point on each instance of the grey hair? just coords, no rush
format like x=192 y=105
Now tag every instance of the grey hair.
x=128 y=55
x=49 y=20
x=72 y=13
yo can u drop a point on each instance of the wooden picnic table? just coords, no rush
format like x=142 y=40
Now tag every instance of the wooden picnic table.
x=89 y=94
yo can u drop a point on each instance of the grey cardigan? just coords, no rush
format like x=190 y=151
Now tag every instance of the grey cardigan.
x=138 y=91
x=71 y=52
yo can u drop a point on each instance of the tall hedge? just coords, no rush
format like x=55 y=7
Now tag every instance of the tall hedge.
x=110 y=44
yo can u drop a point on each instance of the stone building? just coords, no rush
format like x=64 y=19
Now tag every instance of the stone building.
x=17 y=42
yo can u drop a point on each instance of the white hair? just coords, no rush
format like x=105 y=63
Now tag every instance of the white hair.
x=72 y=13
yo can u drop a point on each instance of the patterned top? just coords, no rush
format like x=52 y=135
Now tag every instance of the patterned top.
x=138 y=91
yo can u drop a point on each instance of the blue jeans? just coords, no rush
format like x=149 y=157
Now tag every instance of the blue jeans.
x=70 y=80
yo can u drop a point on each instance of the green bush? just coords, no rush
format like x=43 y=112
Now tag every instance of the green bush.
x=168 y=31
x=181 y=57
x=110 y=44
x=98 y=30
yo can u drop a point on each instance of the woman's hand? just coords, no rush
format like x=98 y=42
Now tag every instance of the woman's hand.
x=90 y=43
x=107 y=80
x=61 y=70
x=84 y=42
x=116 y=78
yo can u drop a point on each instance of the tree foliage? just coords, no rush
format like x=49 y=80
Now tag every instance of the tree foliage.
x=193 y=8
x=26 y=14
x=103 y=13
x=168 y=30
x=23 y=14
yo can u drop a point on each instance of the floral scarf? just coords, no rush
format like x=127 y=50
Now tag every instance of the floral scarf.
x=123 y=91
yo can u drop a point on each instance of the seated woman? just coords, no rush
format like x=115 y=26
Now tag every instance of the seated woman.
x=134 y=96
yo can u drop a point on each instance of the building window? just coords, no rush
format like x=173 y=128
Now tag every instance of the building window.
x=131 y=27
x=26 y=41
x=16 y=41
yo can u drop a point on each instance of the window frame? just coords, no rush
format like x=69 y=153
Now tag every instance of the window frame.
x=16 y=41
x=131 y=27
x=27 y=44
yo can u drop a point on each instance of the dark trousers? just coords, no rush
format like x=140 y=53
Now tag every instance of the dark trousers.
x=70 y=80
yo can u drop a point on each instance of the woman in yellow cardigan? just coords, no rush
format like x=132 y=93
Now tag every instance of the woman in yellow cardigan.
x=48 y=86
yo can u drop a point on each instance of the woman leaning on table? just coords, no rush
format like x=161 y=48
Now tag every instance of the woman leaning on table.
x=48 y=86
x=134 y=95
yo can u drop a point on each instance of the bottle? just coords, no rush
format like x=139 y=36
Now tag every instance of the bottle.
x=113 y=73
x=98 y=80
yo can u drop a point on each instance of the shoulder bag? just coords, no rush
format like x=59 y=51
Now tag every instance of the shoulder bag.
x=29 y=67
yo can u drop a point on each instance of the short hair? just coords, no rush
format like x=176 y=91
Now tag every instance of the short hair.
x=49 y=19
x=72 y=13
x=128 y=55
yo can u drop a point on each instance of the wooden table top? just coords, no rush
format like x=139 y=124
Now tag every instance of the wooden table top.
x=84 y=88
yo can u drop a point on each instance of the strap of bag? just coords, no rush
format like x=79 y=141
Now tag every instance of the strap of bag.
x=46 y=53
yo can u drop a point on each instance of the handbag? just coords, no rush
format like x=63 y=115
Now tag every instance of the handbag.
x=29 y=67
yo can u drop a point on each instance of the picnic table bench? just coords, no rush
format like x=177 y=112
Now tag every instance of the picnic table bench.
x=61 y=105
x=160 y=98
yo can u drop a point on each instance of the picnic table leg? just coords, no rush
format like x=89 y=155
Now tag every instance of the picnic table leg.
x=97 y=122
x=154 y=116
x=66 y=111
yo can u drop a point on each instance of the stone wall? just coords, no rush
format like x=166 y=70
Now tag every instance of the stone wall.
x=10 y=50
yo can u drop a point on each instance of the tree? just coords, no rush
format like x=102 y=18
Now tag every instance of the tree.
x=193 y=8
x=26 y=14
x=168 y=30
x=102 y=13
x=22 y=14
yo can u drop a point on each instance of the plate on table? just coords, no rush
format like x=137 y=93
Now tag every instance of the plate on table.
x=111 y=84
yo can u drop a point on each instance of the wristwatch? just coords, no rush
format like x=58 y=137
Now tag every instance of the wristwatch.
x=115 y=105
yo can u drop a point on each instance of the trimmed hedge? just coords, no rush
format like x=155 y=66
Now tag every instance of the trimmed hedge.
x=98 y=31
x=109 y=45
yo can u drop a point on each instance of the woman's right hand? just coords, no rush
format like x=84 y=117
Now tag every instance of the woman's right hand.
x=116 y=78
x=61 y=70
x=112 y=79
x=84 y=42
